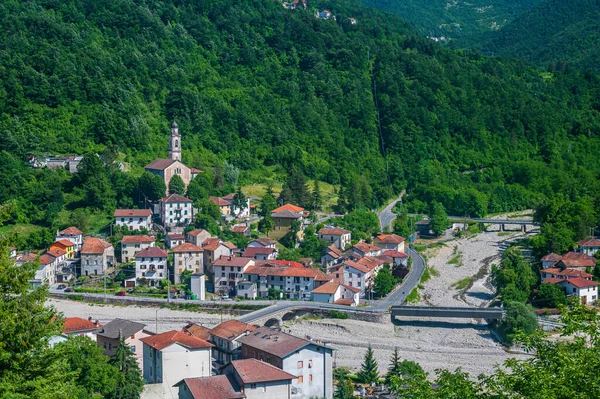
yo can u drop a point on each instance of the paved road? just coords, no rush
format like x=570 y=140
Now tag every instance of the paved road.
x=386 y=216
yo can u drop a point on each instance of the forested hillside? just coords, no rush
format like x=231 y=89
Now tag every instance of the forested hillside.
x=461 y=23
x=566 y=33
x=270 y=90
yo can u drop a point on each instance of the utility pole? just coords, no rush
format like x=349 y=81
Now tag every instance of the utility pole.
x=105 y=283
x=156 y=321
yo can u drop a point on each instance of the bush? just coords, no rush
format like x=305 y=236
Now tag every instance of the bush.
x=335 y=314
x=519 y=318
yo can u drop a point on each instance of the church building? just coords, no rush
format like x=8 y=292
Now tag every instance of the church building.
x=167 y=168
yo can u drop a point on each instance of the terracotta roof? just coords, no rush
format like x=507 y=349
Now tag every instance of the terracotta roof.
x=231 y=329
x=219 y=201
x=590 y=242
x=290 y=208
x=132 y=213
x=390 y=239
x=395 y=254
x=551 y=270
x=287 y=272
x=357 y=266
x=64 y=242
x=580 y=282
x=552 y=256
x=333 y=231
x=275 y=342
x=71 y=231
x=196 y=171
x=136 y=239
x=93 y=245
x=176 y=198
x=164 y=340
x=212 y=243
x=346 y=302
x=187 y=247
x=215 y=387
x=251 y=252
x=353 y=289
x=574 y=273
x=334 y=251
x=576 y=259
x=28 y=257
x=286 y=215
x=284 y=263
x=232 y=261
x=152 y=252
x=371 y=262
x=239 y=229
x=46 y=259
x=364 y=247
x=176 y=236
x=56 y=252
x=552 y=280
x=75 y=324
x=264 y=241
x=252 y=371
x=327 y=288
x=230 y=245
x=195 y=232
x=198 y=331
x=159 y=164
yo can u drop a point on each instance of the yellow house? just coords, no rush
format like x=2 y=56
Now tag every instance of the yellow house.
x=66 y=246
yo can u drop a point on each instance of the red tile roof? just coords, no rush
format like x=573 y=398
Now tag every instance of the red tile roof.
x=251 y=252
x=132 y=213
x=176 y=236
x=327 y=288
x=357 y=266
x=215 y=387
x=198 y=331
x=239 y=229
x=365 y=247
x=230 y=245
x=159 y=164
x=333 y=231
x=164 y=340
x=232 y=261
x=345 y=302
x=574 y=273
x=195 y=232
x=196 y=171
x=176 y=198
x=71 y=231
x=46 y=259
x=580 y=282
x=64 y=242
x=590 y=242
x=551 y=270
x=94 y=246
x=287 y=272
x=187 y=247
x=288 y=207
x=152 y=252
x=390 y=239
x=334 y=251
x=219 y=201
x=212 y=243
x=264 y=241
x=576 y=259
x=284 y=263
x=28 y=257
x=75 y=324
x=56 y=252
x=353 y=289
x=136 y=239
x=552 y=280
x=231 y=329
x=552 y=257
x=253 y=371
x=395 y=254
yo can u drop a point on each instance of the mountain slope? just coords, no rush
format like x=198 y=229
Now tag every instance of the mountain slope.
x=554 y=31
x=271 y=90
x=463 y=23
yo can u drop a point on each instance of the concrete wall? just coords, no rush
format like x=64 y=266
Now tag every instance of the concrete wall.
x=268 y=390
x=198 y=287
x=317 y=381
x=193 y=261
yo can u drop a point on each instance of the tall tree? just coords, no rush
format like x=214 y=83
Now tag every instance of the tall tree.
x=176 y=185
x=345 y=389
x=384 y=281
x=316 y=200
x=231 y=174
x=219 y=180
x=268 y=201
x=199 y=188
x=239 y=201
x=394 y=369
x=298 y=189
x=130 y=383
x=266 y=224
x=151 y=187
x=439 y=218
x=368 y=373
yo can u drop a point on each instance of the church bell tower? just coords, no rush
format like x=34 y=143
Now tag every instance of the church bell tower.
x=175 y=143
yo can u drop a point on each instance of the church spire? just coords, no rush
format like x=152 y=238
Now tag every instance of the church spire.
x=175 y=143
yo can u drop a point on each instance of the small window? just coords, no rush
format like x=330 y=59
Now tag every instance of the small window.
x=300 y=364
x=310 y=378
x=252 y=386
x=310 y=364
x=132 y=347
x=300 y=379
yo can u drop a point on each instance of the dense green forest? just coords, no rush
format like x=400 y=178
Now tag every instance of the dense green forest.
x=556 y=34
x=270 y=90
x=463 y=24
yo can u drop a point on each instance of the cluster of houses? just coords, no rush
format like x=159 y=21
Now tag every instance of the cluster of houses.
x=230 y=361
x=70 y=255
x=571 y=271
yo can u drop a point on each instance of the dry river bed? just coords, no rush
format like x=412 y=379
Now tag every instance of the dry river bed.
x=434 y=343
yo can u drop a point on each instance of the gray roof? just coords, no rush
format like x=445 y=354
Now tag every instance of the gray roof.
x=125 y=327
x=276 y=342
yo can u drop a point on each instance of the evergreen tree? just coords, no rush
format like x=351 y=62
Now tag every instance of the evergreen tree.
x=315 y=198
x=219 y=181
x=296 y=189
x=239 y=201
x=176 y=185
x=199 y=188
x=130 y=383
x=268 y=201
x=368 y=373
x=384 y=281
x=345 y=390
x=439 y=218
x=231 y=174
x=394 y=369
x=286 y=196
x=266 y=224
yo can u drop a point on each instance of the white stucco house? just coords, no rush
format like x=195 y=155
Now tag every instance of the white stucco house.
x=131 y=245
x=335 y=236
x=187 y=256
x=337 y=293
x=151 y=265
x=585 y=290
x=589 y=246
x=173 y=356
x=175 y=210
x=134 y=219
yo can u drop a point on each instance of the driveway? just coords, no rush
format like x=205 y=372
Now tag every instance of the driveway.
x=386 y=216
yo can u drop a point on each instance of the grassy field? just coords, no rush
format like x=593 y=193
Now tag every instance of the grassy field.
x=462 y=284
x=327 y=192
x=19 y=229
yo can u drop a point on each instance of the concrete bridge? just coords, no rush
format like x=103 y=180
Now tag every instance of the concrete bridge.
x=443 y=312
x=500 y=222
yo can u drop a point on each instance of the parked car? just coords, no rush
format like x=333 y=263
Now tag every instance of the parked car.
x=61 y=287
x=225 y=297
x=120 y=293
x=68 y=289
